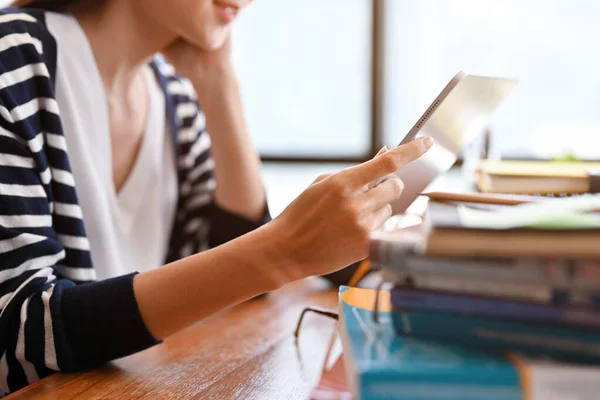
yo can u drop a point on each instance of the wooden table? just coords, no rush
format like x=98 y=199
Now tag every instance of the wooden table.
x=248 y=351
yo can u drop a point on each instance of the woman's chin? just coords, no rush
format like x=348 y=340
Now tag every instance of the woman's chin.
x=214 y=45
x=211 y=42
x=217 y=43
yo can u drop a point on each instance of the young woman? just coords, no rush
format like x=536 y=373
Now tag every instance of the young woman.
x=109 y=167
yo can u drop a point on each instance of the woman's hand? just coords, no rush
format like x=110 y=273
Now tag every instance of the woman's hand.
x=237 y=166
x=328 y=226
x=207 y=70
x=325 y=229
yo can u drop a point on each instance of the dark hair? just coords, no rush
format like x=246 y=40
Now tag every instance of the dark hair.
x=60 y=5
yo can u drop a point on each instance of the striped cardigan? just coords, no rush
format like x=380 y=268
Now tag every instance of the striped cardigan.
x=54 y=315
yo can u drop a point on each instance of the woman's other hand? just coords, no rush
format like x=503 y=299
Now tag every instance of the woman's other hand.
x=328 y=226
x=210 y=52
x=209 y=67
x=237 y=165
x=199 y=65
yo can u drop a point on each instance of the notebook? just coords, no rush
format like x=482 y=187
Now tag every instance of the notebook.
x=539 y=177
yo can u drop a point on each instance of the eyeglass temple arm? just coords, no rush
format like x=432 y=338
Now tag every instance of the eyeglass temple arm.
x=320 y=311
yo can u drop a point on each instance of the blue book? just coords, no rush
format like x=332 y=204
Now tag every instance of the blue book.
x=564 y=316
x=578 y=345
x=383 y=365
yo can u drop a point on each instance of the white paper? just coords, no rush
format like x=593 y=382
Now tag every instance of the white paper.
x=564 y=213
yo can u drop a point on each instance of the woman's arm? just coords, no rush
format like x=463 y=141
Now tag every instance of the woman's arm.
x=47 y=322
x=237 y=165
x=175 y=296
x=324 y=230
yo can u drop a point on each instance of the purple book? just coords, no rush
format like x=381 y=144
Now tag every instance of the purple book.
x=411 y=298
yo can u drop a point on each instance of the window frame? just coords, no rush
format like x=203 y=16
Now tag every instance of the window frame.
x=376 y=109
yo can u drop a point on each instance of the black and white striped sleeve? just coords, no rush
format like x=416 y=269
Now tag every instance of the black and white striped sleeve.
x=47 y=323
x=203 y=223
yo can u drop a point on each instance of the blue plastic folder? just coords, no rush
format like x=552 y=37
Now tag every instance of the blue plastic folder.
x=381 y=364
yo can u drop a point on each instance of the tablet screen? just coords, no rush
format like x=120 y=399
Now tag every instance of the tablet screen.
x=455 y=118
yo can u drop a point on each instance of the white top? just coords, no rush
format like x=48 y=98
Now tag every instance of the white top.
x=130 y=230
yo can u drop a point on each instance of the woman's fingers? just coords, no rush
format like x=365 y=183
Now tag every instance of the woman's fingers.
x=328 y=226
x=383 y=194
x=361 y=175
x=380 y=216
x=383 y=150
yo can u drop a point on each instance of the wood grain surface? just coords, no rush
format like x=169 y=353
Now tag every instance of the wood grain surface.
x=247 y=352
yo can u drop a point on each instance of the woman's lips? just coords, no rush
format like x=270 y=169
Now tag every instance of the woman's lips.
x=227 y=11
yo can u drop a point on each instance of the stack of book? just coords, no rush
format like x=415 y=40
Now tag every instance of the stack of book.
x=380 y=364
x=487 y=302
x=539 y=177
x=492 y=296
x=523 y=278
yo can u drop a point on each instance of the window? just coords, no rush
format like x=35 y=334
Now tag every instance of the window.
x=333 y=80
x=306 y=72
x=313 y=87
x=551 y=46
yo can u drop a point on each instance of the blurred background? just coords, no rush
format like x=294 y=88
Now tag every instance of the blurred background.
x=327 y=83
x=339 y=78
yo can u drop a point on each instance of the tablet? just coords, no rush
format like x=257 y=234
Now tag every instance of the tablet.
x=457 y=116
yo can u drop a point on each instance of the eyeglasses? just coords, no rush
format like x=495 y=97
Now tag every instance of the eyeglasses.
x=320 y=311
x=363 y=269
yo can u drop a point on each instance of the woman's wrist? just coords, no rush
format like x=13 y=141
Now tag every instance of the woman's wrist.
x=219 y=97
x=211 y=81
x=185 y=291
x=272 y=261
